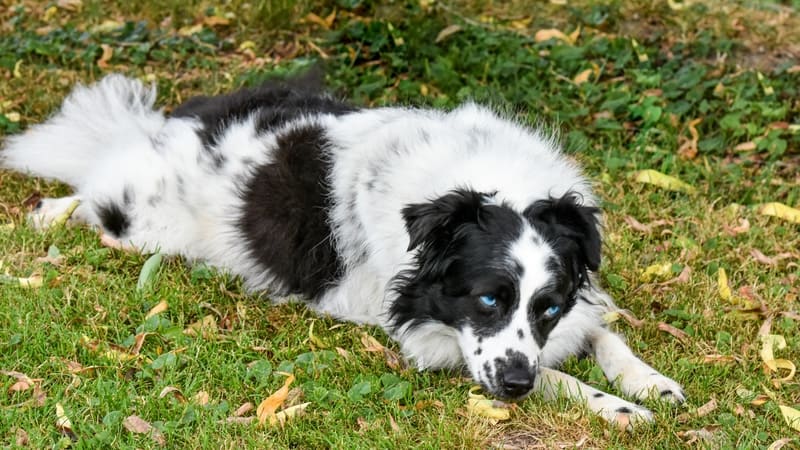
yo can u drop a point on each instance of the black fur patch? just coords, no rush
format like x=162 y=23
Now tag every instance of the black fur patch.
x=624 y=410
x=598 y=394
x=114 y=220
x=285 y=214
x=275 y=102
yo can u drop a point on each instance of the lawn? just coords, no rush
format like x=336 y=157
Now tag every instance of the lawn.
x=707 y=92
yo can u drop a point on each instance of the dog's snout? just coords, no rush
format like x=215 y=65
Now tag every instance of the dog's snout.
x=517 y=381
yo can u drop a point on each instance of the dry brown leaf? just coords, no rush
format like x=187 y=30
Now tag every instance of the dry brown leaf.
x=393 y=360
x=688 y=150
x=393 y=424
x=266 y=409
x=743 y=227
x=201 y=398
x=343 y=353
x=446 y=32
x=745 y=146
x=371 y=344
x=70 y=5
x=138 y=340
x=582 y=77
x=707 y=409
x=21 y=437
x=176 y=393
x=677 y=333
x=23 y=382
x=552 y=33
x=290 y=413
x=108 y=53
x=157 y=309
x=63 y=424
x=215 y=21
x=780 y=443
x=762 y=258
x=137 y=425
x=206 y=327
x=242 y=410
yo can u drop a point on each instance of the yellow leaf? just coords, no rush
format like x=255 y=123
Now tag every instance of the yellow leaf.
x=158 y=309
x=108 y=53
x=722 y=283
x=792 y=416
x=781 y=211
x=290 y=413
x=657 y=178
x=247 y=45
x=190 y=30
x=266 y=409
x=551 y=33
x=479 y=405
x=13 y=116
x=201 y=398
x=34 y=281
x=521 y=24
x=656 y=271
x=206 y=327
x=582 y=77
x=62 y=421
x=107 y=26
x=769 y=341
x=49 y=13
x=16 y=72
x=62 y=218
x=573 y=37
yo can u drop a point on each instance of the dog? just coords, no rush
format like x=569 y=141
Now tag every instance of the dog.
x=468 y=237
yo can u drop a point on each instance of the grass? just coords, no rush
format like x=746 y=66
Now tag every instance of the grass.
x=653 y=71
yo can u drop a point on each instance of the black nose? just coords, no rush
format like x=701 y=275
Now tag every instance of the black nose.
x=517 y=381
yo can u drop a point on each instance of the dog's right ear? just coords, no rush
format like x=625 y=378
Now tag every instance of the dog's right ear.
x=436 y=220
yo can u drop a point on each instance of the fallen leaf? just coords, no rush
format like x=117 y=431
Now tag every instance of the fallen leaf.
x=781 y=211
x=613 y=316
x=492 y=409
x=792 y=416
x=743 y=227
x=201 y=398
x=206 y=327
x=677 y=333
x=21 y=437
x=661 y=180
x=158 y=309
x=175 y=392
x=551 y=33
x=656 y=271
x=723 y=288
x=707 y=409
x=149 y=271
x=136 y=424
x=63 y=424
x=582 y=77
x=769 y=342
x=242 y=410
x=446 y=32
x=371 y=344
x=215 y=21
x=343 y=353
x=317 y=342
x=108 y=53
x=780 y=443
x=62 y=218
x=290 y=413
x=138 y=341
x=721 y=359
x=393 y=424
x=70 y=5
x=190 y=30
x=23 y=382
x=762 y=258
x=745 y=146
x=266 y=409
x=688 y=150
x=239 y=420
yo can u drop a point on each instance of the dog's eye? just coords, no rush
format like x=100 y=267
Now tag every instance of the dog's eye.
x=551 y=312
x=489 y=300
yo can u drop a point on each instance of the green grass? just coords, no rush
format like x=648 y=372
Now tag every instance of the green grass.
x=732 y=64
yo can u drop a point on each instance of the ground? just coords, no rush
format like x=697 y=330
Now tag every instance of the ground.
x=706 y=92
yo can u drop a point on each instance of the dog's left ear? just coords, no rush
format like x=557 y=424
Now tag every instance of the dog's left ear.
x=571 y=227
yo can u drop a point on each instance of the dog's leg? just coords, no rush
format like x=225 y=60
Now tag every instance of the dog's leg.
x=48 y=210
x=552 y=384
x=630 y=374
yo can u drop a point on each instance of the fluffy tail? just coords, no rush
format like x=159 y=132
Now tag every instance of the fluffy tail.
x=93 y=122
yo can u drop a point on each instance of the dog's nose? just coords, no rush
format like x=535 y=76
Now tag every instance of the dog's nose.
x=517 y=381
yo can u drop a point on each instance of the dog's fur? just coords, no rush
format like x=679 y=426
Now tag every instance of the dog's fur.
x=469 y=238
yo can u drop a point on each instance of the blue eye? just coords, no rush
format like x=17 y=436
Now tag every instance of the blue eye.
x=489 y=300
x=552 y=311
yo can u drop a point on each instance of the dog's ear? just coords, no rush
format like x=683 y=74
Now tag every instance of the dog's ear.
x=436 y=220
x=571 y=227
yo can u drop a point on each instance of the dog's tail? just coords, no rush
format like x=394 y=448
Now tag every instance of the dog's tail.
x=93 y=122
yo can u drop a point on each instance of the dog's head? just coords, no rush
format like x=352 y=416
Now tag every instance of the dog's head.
x=500 y=278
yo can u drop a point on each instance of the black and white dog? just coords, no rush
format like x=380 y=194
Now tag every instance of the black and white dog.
x=468 y=237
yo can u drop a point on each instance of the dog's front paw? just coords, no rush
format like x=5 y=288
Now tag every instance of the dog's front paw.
x=621 y=413
x=649 y=385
